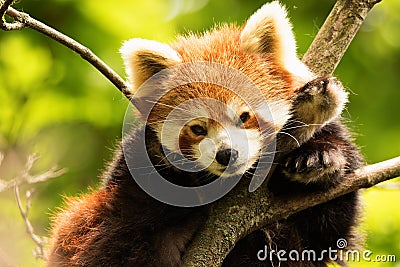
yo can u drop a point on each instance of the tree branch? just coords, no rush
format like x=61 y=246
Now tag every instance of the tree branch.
x=240 y=213
x=336 y=34
x=364 y=177
x=23 y=20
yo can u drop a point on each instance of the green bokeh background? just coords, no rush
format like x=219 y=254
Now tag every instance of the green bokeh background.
x=55 y=104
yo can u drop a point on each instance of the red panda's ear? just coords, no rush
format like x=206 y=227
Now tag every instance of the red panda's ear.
x=144 y=58
x=268 y=31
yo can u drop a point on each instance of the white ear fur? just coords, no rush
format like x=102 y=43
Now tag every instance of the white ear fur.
x=144 y=58
x=269 y=31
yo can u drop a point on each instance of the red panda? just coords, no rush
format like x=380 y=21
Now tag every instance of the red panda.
x=121 y=225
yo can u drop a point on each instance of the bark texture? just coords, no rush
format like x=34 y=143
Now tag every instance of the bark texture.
x=336 y=34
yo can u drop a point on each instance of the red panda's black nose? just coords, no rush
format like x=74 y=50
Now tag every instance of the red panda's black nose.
x=226 y=156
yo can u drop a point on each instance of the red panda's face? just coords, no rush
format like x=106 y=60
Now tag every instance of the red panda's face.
x=223 y=136
x=224 y=150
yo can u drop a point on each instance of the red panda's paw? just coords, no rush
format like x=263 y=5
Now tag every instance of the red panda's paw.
x=315 y=166
x=320 y=101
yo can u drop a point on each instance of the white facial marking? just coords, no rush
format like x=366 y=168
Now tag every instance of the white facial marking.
x=205 y=152
x=275 y=112
x=168 y=131
x=245 y=141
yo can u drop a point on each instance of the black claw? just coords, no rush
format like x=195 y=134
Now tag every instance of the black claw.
x=318 y=84
x=305 y=163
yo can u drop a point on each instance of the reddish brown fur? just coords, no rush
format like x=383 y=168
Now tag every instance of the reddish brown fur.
x=80 y=215
x=223 y=46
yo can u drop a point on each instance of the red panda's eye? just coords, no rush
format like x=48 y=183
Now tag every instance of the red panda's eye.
x=245 y=116
x=198 y=130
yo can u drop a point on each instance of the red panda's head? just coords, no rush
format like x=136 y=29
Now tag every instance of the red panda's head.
x=200 y=117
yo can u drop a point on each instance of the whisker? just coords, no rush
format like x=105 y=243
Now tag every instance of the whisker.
x=291 y=121
x=300 y=126
x=294 y=138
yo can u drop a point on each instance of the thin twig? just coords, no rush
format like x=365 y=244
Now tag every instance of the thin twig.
x=26 y=177
x=4 y=5
x=39 y=241
x=4 y=25
x=24 y=20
